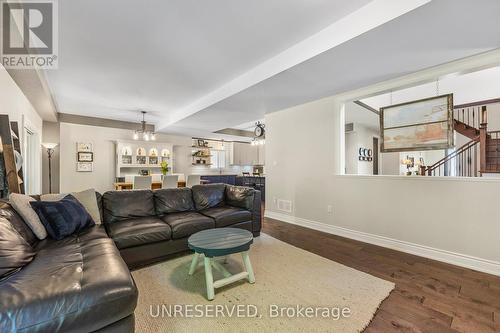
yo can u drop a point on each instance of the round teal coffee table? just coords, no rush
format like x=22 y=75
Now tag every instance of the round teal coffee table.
x=221 y=242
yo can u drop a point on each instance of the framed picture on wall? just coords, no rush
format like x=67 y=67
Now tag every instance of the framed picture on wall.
x=424 y=124
x=85 y=157
x=84 y=167
x=84 y=147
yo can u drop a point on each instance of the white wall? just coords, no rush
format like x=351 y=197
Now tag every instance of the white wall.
x=466 y=88
x=455 y=219
x=103 y=139
x=361 y=137
x=14 y=103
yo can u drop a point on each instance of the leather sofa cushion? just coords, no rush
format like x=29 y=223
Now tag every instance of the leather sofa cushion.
x=227 y=215
x=240 y=196
x=122 y=205
x=173 y=200
x=185 y=224
x=17 y=222
x=139 y=231
x=75 y=284
x=15 y=252
x=208 y=196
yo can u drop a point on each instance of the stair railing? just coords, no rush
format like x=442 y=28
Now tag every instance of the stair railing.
x=471 y=116
x=463 y=161
x=483 y=138
x=492 y=152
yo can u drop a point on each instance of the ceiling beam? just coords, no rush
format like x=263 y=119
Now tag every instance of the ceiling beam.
x=34 y=86
x=366 y=106
x=360 y=21
x=236 y=132
x=101 y=122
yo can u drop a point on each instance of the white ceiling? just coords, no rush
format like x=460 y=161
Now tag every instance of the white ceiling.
x=428 y=36
x=466 y=88
x=119 y=56
x=183 y=60
x=358 y=115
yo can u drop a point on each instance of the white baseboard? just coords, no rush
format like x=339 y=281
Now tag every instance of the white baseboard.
x=463 y=260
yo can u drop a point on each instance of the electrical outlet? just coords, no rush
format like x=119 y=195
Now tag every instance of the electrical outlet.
x=329 y=208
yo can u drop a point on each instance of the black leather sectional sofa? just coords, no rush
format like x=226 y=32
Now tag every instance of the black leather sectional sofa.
x=82 y=283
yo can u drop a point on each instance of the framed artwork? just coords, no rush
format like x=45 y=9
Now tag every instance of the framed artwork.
x=84 y=167
x=84 y=147
x=201 y=143
x=424 y=124
x=85 y=157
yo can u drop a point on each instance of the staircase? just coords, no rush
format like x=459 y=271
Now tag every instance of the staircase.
x=478 y=156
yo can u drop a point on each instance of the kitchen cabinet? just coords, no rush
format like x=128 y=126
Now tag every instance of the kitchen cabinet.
x=243 y=154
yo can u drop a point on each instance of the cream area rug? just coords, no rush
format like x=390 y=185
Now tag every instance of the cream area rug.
x=295 y=291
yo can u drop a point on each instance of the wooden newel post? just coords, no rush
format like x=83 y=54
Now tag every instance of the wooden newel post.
x=484 y=116
x=483 y=136
x=422 y=170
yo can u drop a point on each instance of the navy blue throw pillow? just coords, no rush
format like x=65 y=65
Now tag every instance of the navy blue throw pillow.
x=62 y=218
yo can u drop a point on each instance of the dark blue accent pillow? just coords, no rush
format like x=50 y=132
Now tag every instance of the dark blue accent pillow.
x=62 y=218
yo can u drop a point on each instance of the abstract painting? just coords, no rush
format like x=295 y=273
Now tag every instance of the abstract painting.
x=418 y=125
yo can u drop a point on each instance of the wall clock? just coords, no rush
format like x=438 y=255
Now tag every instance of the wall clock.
x=259 y=130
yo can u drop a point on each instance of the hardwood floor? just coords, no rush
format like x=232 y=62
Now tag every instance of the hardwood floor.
x=430 y=296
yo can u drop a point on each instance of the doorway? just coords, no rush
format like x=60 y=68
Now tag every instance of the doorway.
x=31 y=161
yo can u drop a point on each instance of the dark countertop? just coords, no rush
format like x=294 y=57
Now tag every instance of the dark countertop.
x=263 y=176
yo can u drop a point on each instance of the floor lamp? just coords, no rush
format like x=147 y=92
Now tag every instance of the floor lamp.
x=50 y=150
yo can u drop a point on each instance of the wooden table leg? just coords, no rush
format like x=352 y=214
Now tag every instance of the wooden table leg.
x=221 y=268
x=194 y=263
x=248 y=266
x=209 y=278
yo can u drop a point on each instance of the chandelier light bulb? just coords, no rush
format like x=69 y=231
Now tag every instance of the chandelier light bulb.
x=136 y=136
x=153 y=136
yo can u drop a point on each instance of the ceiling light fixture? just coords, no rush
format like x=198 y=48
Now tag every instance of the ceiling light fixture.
x=143 y=133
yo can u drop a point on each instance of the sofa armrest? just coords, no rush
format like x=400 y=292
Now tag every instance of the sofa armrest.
x=256 y=213
x=249 y=199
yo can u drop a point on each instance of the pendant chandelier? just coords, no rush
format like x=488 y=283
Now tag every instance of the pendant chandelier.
x=143 y=133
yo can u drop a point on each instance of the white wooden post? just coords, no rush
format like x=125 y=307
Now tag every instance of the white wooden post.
x=248 y=266
x=209 y=278
x=194 y=263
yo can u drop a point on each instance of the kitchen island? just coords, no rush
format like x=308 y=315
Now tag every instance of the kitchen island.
x=225 y=178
